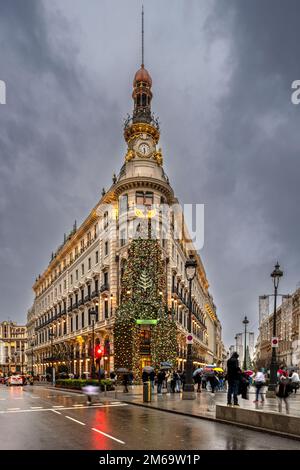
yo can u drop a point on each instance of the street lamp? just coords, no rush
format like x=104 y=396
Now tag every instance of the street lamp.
x=188 y=390
x=51 y=334
x=93 y=313
x=32 y=346
x=276 y=275
x=245 y=321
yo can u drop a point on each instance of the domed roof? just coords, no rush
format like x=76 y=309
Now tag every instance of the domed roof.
x=142 y=75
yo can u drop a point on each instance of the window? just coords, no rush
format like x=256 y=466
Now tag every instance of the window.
x=106 y=307
x=76 y=274
x=106 y=248
x=95 y=230
x=105 y=276
x=105 y=220
x=82 y=269
x=82 y=320
x=65 y=284
x=144 y=198
x=97 y=257
x=60 y=288
x=123 y=237
x=71 y=279
x=123 y=204
x=76 y=322
x=71 y=324
x=65 y=327
x=89 y=238
x=81 y=246
x=76 y=251
x=89 y=263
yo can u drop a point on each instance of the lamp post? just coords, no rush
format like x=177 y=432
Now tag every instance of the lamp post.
x=245 y=321
x=188 y=391
x=51 y=334
x=16 y=357
x=275 y=275
x=93 y=313
x=32 y=345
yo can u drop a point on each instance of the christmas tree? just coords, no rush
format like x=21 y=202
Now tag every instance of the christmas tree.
x=143 y=284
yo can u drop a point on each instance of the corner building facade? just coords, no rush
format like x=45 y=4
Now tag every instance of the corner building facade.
x=85 y=273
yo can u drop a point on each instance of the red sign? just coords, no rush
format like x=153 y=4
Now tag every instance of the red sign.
x=189 y=339
x=274 y=342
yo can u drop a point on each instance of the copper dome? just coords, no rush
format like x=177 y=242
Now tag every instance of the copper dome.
x=142 y=75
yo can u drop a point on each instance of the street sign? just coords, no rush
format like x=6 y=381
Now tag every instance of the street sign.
x=189 y=339
x=146 y=322
x=274 y=342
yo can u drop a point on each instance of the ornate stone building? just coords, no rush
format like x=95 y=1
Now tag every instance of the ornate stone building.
x=13 y=343
x=288 y=332
x=85 y=273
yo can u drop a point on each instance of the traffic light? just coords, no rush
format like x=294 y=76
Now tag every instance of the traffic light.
x=98 y=352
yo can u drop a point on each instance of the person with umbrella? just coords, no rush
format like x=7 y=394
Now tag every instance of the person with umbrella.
x=198 y=378
x=161 y=376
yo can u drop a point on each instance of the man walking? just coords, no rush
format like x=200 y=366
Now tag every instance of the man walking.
x=233 y=378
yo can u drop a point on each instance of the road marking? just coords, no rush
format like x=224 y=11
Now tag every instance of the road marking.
x=78 y=405
x=39 y=408
x=79 y=422
x=107 y=435
x=2 y=398
x=57 y=412
x=18 y=398
x=32 y=396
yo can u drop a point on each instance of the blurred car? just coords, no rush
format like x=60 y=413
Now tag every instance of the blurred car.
x=3 y=380
x=14 y=380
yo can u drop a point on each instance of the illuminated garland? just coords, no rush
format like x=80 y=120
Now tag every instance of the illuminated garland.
x=143 y=283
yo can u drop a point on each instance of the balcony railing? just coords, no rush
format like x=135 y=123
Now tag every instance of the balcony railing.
x=104 y=287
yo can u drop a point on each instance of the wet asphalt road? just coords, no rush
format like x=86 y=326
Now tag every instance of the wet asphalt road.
x=40 y=418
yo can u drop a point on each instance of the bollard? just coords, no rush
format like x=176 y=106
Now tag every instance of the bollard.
x=105 y=390
x=147 y=392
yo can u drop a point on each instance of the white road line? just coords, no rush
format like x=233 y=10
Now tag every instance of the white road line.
x=2 y=399
x=78 y=405
x=18 y=398
x=57 y=412
x=32 y=396
x=107 y=435
x=36 y=407
x=79 y=422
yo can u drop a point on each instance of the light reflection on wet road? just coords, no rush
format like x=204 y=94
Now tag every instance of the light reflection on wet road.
x=39 y=418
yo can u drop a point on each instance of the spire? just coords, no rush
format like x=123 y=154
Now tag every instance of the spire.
x=142 y=36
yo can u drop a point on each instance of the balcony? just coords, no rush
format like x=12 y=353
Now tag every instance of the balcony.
x=87 y=298
x=70 y=308
x=80 y=302
x=104 y=288
x=95 y=293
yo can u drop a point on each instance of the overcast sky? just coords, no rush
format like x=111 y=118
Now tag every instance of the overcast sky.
x=222 y=73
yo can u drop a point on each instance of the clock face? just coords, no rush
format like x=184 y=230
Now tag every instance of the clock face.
x=144 y=149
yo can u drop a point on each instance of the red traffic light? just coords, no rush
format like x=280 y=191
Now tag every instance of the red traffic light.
x=98 y=352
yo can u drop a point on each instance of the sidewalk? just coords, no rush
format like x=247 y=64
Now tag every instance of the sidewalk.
x=204 y=406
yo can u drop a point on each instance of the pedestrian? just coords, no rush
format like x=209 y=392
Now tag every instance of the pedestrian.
x=204 y=382
x=145 y=376
x=160 y=380
x=233 y=379
x=244 y=385
x=259 y=382
x=125 y=382
x=213 y=381
x=283 y=391
x=152 y=378
x=198 y=380
x=294 y=380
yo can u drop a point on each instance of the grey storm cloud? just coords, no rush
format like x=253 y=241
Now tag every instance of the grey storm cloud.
x=222 y=73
